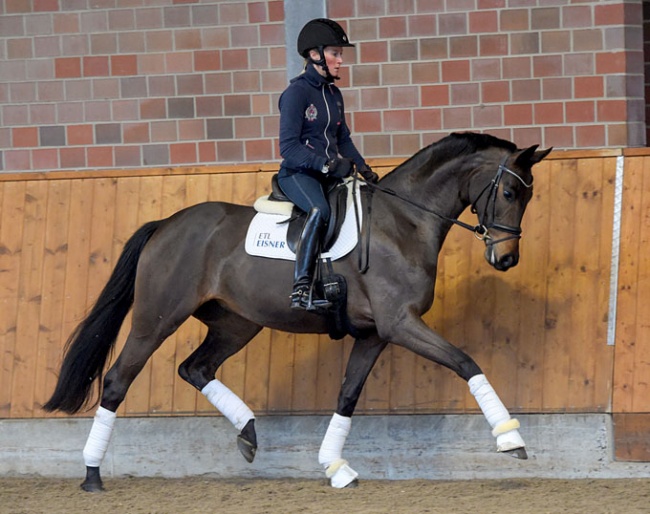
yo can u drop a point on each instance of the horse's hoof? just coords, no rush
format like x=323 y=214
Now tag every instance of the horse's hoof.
x=518 y=453
x=92 y=487
x=246 y=448
x=93 y=482
x=247 y=441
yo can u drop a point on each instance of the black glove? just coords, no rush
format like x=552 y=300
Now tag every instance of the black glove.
x=368 y=174
x=340 y=167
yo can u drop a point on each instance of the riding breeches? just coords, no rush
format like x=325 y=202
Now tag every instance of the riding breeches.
x=306 y=191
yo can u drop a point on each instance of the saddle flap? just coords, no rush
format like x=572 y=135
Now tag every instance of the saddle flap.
x=337 y=198
x=267 y=233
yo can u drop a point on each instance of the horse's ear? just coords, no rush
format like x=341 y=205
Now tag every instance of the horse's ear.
x=540 y=154
x=531 y=156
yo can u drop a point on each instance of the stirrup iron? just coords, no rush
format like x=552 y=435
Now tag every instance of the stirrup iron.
x=304 y=299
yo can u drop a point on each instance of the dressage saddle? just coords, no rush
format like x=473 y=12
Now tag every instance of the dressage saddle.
x=337 y=194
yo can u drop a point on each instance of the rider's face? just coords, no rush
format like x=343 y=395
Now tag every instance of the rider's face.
x=333 y=60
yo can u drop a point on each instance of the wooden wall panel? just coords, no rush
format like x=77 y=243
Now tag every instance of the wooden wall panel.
x=50 y=322
x=538 y=331
x=631 y=432
x=632 y=373
x=11 y=240
x=29 y=299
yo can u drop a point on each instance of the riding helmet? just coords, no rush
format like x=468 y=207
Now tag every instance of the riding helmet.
x=321 y=32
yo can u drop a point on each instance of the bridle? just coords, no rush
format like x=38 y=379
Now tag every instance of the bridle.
x=482 y=230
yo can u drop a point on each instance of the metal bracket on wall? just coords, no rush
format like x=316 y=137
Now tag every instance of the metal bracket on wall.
x=616 y=247
x=297 y=13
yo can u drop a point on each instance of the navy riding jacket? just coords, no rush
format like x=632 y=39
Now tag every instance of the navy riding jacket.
x=312 y=124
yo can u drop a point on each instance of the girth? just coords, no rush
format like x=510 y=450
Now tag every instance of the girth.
x=337 y=196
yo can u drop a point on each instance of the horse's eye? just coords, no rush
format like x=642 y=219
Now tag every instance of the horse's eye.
x=508 y=195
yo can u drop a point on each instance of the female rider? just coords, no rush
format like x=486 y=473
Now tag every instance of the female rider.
x=315 y=142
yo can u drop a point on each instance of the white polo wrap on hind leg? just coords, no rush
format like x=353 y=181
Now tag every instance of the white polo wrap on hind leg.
x=504 y=428
x=228 y=403
x=99 y=437
x=336 y=468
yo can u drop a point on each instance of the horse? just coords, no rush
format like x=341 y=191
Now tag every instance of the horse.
x=193 y=263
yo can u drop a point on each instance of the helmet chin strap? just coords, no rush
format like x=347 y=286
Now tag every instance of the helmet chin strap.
x=322 y=63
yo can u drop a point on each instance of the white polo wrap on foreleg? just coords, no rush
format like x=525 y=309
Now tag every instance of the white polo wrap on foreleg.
x=228 y=403
x=99 y=437
x=332 y=445
x=331 y=449
x=504 y=428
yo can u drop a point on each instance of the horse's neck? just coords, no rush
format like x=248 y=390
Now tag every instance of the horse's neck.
x=442 y=190
x=422 y=197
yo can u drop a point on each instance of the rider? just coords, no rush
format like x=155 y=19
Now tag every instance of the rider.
x=315 y=142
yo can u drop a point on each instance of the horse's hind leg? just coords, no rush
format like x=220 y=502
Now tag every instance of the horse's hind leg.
x=146 y=335
x=116 y=383
x=227 y=334
x=365 y=353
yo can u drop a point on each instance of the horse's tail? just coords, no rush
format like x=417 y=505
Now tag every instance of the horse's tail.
x=88 y=347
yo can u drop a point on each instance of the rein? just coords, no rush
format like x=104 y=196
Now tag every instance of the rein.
x=480 y=231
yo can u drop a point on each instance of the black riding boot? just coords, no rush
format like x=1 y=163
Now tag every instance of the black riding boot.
x=306 y=254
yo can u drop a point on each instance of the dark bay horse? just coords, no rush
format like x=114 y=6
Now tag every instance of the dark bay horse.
x=194 y=264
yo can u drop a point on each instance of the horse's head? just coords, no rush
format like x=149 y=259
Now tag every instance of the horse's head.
x=500 y=204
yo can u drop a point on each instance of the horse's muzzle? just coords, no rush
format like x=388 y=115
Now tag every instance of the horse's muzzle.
x=501 y=262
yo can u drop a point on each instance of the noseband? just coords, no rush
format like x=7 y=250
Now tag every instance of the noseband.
x=482 y=230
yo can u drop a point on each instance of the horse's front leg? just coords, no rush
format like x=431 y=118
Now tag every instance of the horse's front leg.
x=362 y=358
x=414 y=334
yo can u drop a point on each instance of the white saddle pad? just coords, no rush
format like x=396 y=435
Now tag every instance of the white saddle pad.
x=267 y=234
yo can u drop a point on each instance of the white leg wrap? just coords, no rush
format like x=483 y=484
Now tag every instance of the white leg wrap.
x=99 y=437
x=228 y=403
x=329 y=456
x=504 y=428
x=487 y=399
x=332 y=445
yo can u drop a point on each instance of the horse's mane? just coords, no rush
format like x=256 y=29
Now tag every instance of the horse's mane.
x=454 y=145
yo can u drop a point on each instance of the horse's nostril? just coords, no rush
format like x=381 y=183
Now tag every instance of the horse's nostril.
x=508 y=261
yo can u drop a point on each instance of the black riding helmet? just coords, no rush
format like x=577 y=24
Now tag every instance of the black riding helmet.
x=320 y=33
x=317 y=34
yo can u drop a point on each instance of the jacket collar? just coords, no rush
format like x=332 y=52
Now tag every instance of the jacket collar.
x=312 y=76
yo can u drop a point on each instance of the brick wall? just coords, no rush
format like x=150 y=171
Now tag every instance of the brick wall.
x=128 y=83
x=564 y=74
